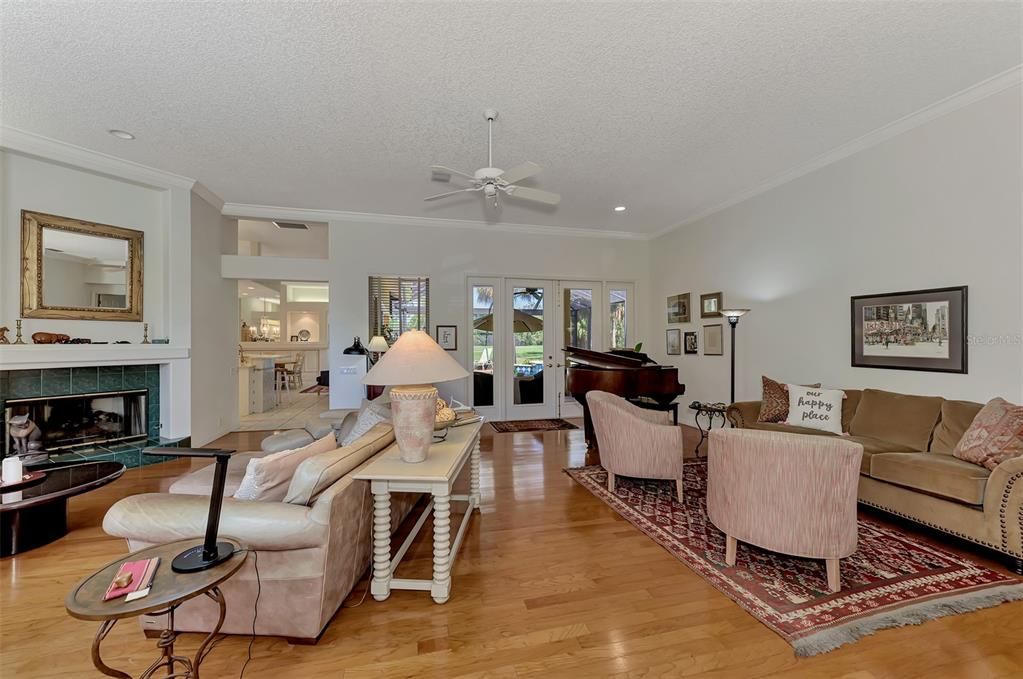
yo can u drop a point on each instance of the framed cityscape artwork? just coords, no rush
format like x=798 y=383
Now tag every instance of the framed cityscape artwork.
x=678 y=308
x=689 y=343
x=915 y=330
x=674 y=341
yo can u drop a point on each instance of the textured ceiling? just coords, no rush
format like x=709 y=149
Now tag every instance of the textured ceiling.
x=668 y=108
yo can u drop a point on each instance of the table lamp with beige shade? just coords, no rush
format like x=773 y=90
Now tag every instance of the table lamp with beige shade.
x=377 y=346
x=411 y=367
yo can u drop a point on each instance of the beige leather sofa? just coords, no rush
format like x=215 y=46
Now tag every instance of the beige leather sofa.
x=908 y=468
x=310 y=550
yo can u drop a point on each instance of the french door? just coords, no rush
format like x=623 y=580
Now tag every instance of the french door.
x=520 y=327
x=580 y=324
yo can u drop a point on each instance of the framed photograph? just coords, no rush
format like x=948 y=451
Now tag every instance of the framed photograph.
x=915 y=330
x=293 y=338
x=710 y=305
x=713 y=344
x=674 y=341
x=447 y=337
x=678 y=308
x=689 y=343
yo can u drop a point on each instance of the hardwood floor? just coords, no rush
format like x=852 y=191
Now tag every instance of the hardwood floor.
x=549 y=583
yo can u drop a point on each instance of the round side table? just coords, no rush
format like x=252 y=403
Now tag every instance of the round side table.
x=168 y=591
x=709 y=411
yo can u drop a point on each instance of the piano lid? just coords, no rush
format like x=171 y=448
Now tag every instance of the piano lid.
x=617 y=360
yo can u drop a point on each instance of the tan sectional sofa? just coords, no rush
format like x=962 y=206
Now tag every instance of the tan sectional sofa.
x=908 y=468
x=310 y=549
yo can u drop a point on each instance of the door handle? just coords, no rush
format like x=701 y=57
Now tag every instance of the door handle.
x=549 y=365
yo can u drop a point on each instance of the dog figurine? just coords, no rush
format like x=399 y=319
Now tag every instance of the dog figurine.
x=3 y=335
x=25 y=433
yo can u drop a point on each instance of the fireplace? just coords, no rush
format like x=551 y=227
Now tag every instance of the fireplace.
x=66 y=422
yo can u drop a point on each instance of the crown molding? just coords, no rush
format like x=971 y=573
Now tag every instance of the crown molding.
x=982 y=90
x=30 y=144
x=213 y=199
x=243 y=211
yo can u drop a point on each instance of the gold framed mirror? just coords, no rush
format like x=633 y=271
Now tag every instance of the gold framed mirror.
x=79 y=270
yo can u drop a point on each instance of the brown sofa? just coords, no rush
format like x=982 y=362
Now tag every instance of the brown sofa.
x=908 y=468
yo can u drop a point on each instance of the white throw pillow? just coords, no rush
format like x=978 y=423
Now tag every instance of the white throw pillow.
x=368 y=418
x=267 y=478
x=815 y=408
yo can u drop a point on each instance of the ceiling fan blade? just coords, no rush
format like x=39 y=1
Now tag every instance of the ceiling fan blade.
x=449 y=193
x=448 y=170
x=520 y=172
x=533 y=194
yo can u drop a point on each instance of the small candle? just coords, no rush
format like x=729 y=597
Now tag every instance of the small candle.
x=12 y=470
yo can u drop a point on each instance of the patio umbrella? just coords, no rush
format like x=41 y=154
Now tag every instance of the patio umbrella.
x=522 y=322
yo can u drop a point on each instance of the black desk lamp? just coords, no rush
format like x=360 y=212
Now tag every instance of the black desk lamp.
x=733 y=320
x=210 y=552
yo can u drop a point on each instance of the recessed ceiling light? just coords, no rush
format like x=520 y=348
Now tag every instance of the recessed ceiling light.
x=251 y=288
x=619 y=208
x=121 y=134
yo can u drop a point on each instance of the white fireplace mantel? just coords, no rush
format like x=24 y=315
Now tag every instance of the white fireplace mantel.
x=31 y=356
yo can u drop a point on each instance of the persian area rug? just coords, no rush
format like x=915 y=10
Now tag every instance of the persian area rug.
x=892 y=580
x=532 y=425
x=315 y=389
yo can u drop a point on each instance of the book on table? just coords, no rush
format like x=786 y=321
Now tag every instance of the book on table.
x=141 y=574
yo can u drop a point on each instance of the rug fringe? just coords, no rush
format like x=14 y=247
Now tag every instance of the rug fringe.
x=914 y=614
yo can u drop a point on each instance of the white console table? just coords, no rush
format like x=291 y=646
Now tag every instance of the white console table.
x=436 y=475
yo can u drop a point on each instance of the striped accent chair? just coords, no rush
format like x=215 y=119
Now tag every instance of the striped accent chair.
x=786 y=493
x=634 y=441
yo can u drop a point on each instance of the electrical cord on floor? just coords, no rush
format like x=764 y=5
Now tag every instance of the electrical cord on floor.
x=255 y=611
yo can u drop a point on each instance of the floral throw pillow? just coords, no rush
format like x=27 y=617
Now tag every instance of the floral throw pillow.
x=774 y=404
x=994 y=436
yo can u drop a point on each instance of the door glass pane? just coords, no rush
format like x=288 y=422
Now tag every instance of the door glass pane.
x=527 y=338
x=578 y=305
x=483 y=345
x=618 y=319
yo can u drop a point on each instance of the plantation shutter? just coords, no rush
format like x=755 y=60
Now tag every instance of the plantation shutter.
x=397 y=304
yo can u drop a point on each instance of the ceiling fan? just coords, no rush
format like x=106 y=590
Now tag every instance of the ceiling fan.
x=493 y=181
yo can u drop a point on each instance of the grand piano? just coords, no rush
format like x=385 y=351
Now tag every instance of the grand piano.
x=629 y=374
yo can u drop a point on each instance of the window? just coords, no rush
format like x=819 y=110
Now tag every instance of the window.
x=618 y=318
x=397 y=304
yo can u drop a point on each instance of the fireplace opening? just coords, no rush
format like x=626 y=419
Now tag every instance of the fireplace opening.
x=35 y=426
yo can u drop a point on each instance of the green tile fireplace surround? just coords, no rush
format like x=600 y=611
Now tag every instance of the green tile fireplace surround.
x=43 y=382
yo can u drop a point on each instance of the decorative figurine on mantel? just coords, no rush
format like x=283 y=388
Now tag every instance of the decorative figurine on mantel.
x=17 y=335
x=145 y=333
x=50 y=338
x=3 y=335
x=26 y=435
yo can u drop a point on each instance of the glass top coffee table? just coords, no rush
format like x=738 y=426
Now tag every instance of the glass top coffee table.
x=37 y=515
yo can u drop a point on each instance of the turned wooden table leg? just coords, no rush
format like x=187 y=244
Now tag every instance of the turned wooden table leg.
x=380 y=586
x=97 y=661
x=441 y=588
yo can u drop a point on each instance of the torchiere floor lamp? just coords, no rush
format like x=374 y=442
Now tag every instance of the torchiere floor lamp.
x=733 y=320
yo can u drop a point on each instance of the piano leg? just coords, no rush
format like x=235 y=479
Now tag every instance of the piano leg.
x=592 y=453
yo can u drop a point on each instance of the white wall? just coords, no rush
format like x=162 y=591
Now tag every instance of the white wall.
x=214 y=304
x=38 y=185
x=448 y=255
x=936 y=206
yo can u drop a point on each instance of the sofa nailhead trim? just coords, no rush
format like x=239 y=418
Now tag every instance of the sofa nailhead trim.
x=1004 y=549
x=1003 y=510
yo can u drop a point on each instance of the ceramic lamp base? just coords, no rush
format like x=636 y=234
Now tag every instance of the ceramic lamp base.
x=413 y=412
